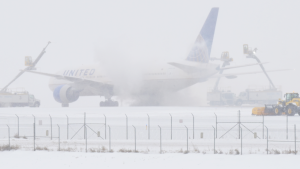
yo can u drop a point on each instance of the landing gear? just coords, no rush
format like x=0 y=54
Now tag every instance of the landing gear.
x=65 y=105
x=109 y=103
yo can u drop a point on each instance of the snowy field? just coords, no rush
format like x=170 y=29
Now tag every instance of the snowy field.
x=177 y=137
x=52 y=160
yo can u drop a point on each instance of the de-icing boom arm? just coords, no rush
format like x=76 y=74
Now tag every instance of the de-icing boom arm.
x=28 y=68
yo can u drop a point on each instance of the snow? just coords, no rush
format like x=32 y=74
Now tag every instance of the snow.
x=200 y=154
x=53 y=160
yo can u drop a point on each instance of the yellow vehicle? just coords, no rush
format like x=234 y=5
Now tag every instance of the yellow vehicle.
x=290 y=106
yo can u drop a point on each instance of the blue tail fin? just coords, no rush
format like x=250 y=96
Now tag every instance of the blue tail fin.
x=202 y=46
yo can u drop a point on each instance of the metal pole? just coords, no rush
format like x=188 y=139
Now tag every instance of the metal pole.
x=267 y=139
x=171 y=126
x=58 y=137
x=18 y=126
x=160 y=139
x=239 y=124
x=295 y=137
x=126 y=127
x=241 y=141
x=85 y=138
x=148 y=126
x=67 y=127
x=84 y=134
x=134 y=138
x=193 y=126
x=263 y=126
x=216 y=125
x=33 y=136
x=51 y=125
x=33 y=118
x=8 y=137
x=214 y=140
x=187 y=139
x=109 y=138
x=287 y=127
x=105 y=124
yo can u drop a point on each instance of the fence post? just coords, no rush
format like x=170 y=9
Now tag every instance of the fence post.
x=148 y=126
x=267 y=139
x=193 y=126
x=239 y=124
x=263 y=126
x=295 y=137
x=85 y=137
x=171 y=126
x=287 y=127
x=50 y=125
x=105 y=124
x=134 y=138
x=160 y=138
x=33 y=118
x=214 y=140
x=58 y=137
x=187 y=139
x=126 y=127
x=241 y=141
x=216 y=125
x=84 y=122
x=8 y=137
x=109 y=138
x=33 y=136
x=18 y=126
x=67 y=127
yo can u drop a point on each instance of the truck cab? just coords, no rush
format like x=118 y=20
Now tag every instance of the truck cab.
x=290 y=96
x=33 y=102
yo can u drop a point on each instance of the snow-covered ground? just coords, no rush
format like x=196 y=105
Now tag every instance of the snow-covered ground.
x=182 y=128
x=57 y=160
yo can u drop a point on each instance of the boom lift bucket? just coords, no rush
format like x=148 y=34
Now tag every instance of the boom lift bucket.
x=28 y=61
x=245 y=49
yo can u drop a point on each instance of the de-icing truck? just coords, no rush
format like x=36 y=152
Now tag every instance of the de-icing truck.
x=18 y=98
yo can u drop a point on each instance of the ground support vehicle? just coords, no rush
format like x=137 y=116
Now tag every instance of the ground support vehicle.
x=219 y=98
x=250 y=96
x=18 y=98
x=290 y=106
x=268 y=96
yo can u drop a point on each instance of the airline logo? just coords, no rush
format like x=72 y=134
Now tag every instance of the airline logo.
x=79 y=72
x=202 y=47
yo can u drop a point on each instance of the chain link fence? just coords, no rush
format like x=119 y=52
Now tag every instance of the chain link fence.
x=146 y=133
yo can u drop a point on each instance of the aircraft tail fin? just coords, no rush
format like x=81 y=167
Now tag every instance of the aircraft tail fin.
x=202 y=46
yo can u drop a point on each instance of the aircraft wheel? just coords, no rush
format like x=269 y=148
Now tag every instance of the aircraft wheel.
x=116 y=104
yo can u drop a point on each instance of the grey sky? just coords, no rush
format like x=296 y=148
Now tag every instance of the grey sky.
x=155 y=30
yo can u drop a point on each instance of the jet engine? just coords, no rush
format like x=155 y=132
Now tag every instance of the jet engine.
x=65 y=94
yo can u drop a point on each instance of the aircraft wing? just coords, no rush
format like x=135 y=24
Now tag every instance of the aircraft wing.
x=234 y=75
x=77 y=81
x=199 y=67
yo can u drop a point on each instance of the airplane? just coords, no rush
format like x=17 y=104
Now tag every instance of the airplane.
x=92 y=80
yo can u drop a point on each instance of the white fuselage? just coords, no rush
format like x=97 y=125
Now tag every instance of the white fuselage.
x=159 y=78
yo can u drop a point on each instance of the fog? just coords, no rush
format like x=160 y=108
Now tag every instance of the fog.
x=130 y=36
